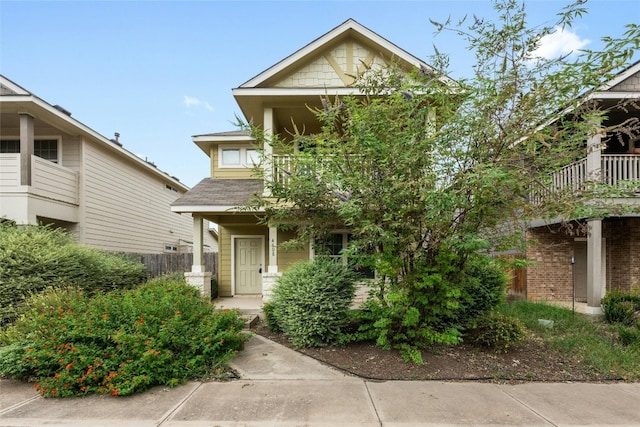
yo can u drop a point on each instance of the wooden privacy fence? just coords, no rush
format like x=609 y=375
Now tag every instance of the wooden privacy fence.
x=161 y=264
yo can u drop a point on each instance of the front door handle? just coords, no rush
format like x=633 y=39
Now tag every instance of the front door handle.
x=260 y=270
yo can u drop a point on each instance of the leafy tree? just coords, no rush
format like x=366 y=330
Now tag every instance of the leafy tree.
x=427 y=172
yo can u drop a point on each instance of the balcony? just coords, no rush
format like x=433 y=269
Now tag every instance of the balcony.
x=48 y=180
x=615 y=169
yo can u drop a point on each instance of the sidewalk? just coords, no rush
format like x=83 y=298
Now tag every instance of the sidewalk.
x=280 y=387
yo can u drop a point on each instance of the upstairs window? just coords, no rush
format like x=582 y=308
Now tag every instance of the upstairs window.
x=45 y=148
x=238 y=157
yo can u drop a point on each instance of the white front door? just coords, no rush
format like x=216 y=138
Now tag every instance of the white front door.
x=248 y=266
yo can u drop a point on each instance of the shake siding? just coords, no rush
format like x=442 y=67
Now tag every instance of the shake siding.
x=632 y=84
x=127 y=208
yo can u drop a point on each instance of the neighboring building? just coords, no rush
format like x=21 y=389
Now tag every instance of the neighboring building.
x=56 y=170
x=607 y=255
x=249 y=257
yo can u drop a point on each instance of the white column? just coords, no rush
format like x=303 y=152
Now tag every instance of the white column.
x=198 y=277
x=273 y=250
x=594 y=267
x=26 y=147
x=198 y=246
x=267 y=147
x=594 y=226
x=594 y=155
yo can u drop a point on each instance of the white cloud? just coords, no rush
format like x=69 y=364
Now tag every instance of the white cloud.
x=560 y=42
x=190 y=101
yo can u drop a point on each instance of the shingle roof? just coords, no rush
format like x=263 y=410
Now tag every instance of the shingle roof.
x=221 y=192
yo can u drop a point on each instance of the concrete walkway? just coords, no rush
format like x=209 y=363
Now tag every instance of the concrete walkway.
x=280 y=387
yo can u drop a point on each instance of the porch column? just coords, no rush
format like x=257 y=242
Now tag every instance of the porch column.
x=594 y=154
x=267 y=148
x=198 y=277
x=595 y=282
x=594 y=226
x=26 y=147
x=270 y=277
x=273 y=250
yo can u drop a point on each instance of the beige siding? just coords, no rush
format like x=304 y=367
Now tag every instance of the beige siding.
x=335 y=68
x=632 y=84
x=288 y=258
x=71 y=152
x=225 y=257
x=127 y=208
x=227 y=173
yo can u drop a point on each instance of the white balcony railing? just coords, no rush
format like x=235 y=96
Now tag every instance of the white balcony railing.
x=615 y=169
x=48 y=179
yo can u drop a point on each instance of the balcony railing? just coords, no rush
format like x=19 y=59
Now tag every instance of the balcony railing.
x=615 y=169
x=48 y=179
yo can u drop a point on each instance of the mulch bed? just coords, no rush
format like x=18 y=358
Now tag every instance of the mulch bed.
x=529 y=361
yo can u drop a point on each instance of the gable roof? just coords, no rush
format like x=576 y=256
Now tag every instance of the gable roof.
x=349 y=28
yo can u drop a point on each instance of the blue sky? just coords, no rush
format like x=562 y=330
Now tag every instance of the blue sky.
x=159 y=72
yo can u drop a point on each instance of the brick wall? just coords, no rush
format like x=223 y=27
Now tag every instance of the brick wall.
x=623 y=253
x=550 y=277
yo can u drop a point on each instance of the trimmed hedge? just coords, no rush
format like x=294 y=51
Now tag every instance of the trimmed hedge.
x=311 y=302
x=33 y=258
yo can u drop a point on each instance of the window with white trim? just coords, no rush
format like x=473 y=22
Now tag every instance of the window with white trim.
x=44 y=148
x=237 y=157
x=334 y=246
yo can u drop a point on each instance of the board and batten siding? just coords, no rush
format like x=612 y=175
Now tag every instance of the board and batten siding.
x=127 y=208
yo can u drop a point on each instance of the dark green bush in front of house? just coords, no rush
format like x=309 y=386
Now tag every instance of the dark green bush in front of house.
x=121 y=342
x=485 y=288
x=497 y=331
x=311 y=301
x=620 y=307
x=33 y=258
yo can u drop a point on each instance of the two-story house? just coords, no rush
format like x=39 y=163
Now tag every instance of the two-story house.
x=56 y=170
x=274 y=100
x=605 y=253
x=249 y=256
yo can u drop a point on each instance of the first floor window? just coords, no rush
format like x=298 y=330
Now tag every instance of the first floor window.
x=334 y=246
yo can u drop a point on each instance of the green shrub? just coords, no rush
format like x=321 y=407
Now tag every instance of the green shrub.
x=619 y=307
x=497 y=331
x=311 y=302
x=630 y=335
x=120 y=342
x=33 y=258
x=484 y=289
x=272 y=322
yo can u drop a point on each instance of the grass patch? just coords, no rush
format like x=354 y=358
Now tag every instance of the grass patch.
x=592 y=341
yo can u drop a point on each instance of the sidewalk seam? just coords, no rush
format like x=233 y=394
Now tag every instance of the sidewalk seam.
x=375 y=409
x=173 y=410
x=527 y=406
x=19 y=405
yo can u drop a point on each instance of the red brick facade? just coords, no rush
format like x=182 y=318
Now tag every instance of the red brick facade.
x=551 y=275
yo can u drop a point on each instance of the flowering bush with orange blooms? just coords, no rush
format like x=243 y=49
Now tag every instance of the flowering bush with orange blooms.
x=121 y=342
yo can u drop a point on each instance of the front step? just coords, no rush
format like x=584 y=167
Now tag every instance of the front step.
x=250 y=320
